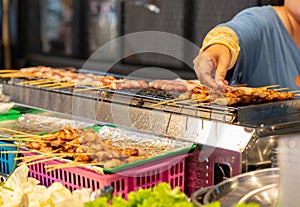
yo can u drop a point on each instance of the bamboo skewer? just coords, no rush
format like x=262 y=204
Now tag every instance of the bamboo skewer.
x=187 y=100
x=280 y=89
x=180 y=101
x=41 y=156
x=18 y=152
x=17 y=75
x=271 y=86
x=50 y=168
x=13 y=131
x=37 y=162
x=164 y=102
x=56 y=85
x=296 y=91
x=34 y=157
x=9 y=71
x=41 y=82
x=36 y=82
x=10 y=145
x=48 y=85
x=172 y=103
x=91 y=88
x=38 y=156
x=65 y=85
x=22 y=139
x=33 y=135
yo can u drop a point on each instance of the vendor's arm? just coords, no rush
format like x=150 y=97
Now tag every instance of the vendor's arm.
x=224 y=45
x=218 y=54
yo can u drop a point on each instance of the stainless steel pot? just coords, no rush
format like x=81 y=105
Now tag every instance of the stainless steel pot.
x=260 y=186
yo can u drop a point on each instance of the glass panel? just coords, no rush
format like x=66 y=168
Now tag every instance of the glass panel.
x=102 y=26
x=56 y=26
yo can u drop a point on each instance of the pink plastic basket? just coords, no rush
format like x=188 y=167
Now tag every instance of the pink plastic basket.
x=201 y=173
x=170 y=170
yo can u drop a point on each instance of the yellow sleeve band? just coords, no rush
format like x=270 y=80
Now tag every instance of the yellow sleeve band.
x=225 y=36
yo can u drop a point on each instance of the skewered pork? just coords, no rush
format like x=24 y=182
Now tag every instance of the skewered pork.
x=85 y=145
x=236 y=95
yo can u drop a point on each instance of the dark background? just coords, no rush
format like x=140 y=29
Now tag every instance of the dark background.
x=64 y=33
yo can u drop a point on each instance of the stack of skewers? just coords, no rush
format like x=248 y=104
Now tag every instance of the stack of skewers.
x=81 y=146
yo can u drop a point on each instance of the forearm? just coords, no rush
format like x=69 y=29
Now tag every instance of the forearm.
x=224 y=36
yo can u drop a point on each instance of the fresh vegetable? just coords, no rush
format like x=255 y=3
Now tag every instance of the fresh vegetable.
x=218 y=204
x=56 y=195
x=159 y=196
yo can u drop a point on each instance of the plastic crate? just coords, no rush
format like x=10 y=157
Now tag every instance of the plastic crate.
x=170 y=170
x=7 y=159
x=201 y=173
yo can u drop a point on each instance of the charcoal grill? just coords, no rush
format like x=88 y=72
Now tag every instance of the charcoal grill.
x=231 y=140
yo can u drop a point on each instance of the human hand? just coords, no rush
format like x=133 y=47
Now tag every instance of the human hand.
x=211 y=66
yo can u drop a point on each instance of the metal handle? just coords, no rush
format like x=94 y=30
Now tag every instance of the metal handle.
x=198 y=196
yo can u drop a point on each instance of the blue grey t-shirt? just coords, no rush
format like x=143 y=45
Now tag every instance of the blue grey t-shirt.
x=268 y=54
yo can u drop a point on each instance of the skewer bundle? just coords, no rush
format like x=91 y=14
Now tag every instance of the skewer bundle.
x=78 y=145
x=232 y=96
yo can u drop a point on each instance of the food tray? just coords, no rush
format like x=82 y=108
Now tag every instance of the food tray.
x=16 y=111
x=170 y=170
x=146 y=143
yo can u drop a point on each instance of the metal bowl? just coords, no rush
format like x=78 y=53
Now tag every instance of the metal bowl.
x=260 y=186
